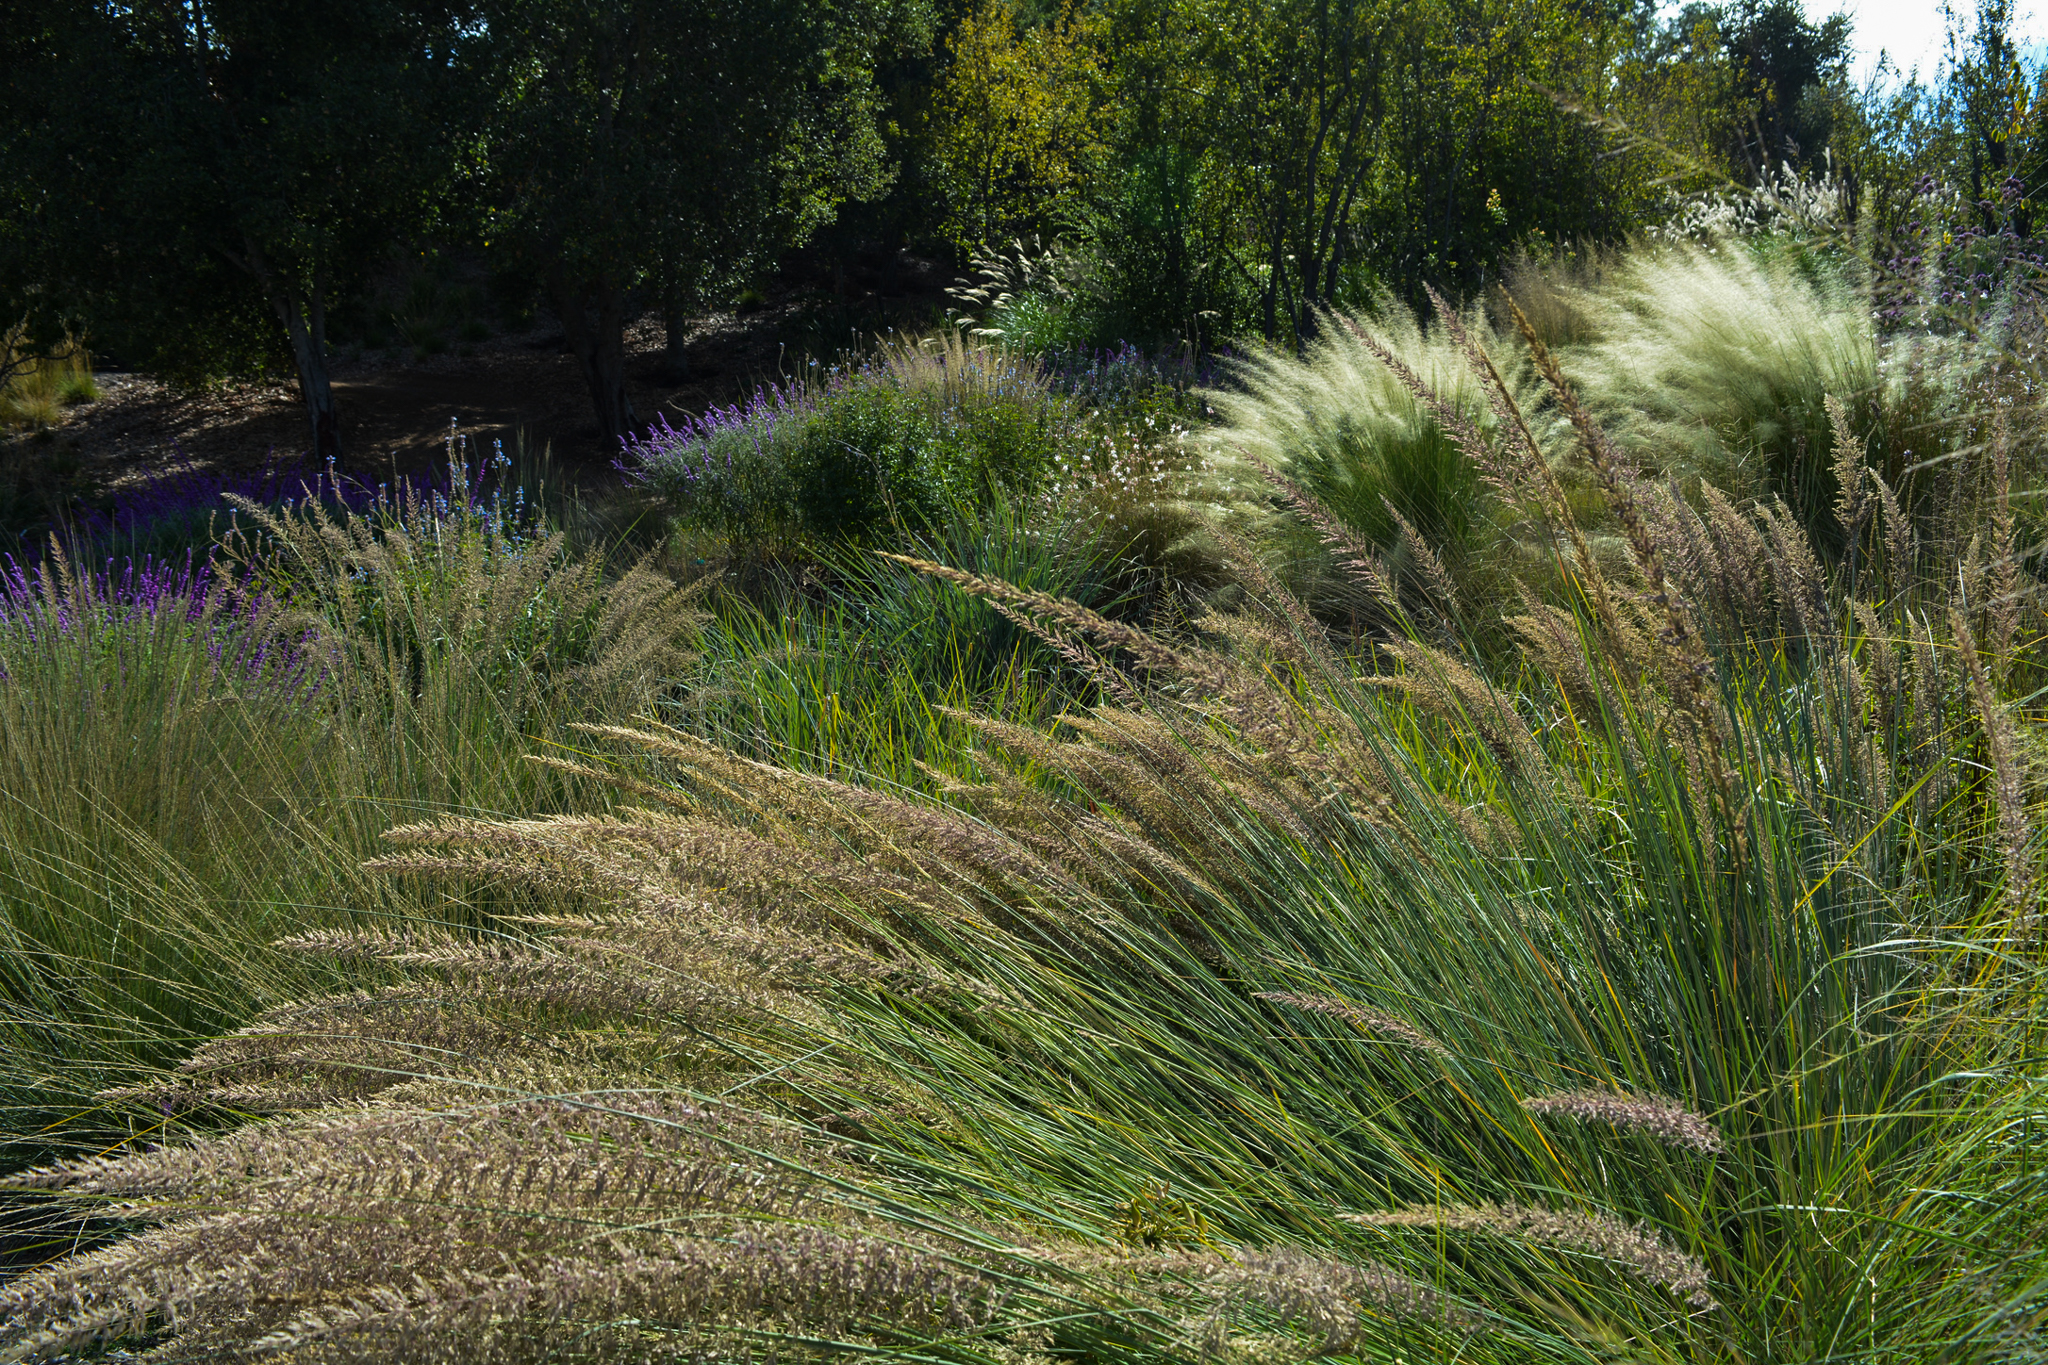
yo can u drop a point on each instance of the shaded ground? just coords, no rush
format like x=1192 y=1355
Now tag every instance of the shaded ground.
x=396 y=411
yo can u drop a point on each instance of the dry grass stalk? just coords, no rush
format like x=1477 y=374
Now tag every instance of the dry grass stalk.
x=500 y=1231
x=1666 y=1120
x=1638 y=1249
x=1455 y=423
x=1525 y=466
x=1347 y=548
x=1386 y=1024
x=1431 y=569
x=1452 y=690
x=1690 y=669
x=1147 y=650
x=1901 y=539
x=2003 y=609
x=1852 y=505
x=1796 y=577
x=2001 y=741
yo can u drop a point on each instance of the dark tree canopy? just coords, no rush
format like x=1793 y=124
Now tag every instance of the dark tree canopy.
x=287 y=144
x=1780 y=58
x=648 y=146
x=198 y=184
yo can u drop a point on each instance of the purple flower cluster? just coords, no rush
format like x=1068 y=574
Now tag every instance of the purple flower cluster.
x=1957 y=259
x=49 y=603
x=702 y=447
x=176 y=504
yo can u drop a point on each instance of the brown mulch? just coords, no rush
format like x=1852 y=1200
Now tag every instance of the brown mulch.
x=396 y=412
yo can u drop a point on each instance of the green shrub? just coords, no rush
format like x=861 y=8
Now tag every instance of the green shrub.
x=886 y=447
x=858 y=680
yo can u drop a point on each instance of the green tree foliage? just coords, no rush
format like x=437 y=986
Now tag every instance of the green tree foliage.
x=1990 y=95
x=1304 y=153
x=1783 y=66
x=194 y=185
x=677 y=146
x=1493 y=141
x=1309 y=96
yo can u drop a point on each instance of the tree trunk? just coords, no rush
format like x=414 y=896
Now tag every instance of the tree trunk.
x=305 y=325
x=593 y=314
x=675 y=325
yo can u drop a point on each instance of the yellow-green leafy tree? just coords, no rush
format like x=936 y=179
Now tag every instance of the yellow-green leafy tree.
x=1013 y=126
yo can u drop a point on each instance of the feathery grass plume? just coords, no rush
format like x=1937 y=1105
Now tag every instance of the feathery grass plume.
x=1637 y=1248
x=1304 y=640
x=398 y=593
x=1536 y=473
x=1717 y=363
x=1666 y=1120
x=1525 y=465
x=1428 y=567
x=948 y=370
x=1359 y=433
x=1553 y=640
x=1927 y=715
x=1336 y=1303
x=1881 y=658
x=1797 y=579
x=1149 y=651
x=494 y=1233
x=2001 y=743
x=1901 y=537
x=1453 y=691
x=2003 y=609
x=1852 y=507
x=1741 y=550
x=1350 y=552
x=1356 y=1014
x=1689 y=551
x=1456 y=424
x=1268 y=717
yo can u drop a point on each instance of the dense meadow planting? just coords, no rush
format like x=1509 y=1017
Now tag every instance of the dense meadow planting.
x=1509 y=833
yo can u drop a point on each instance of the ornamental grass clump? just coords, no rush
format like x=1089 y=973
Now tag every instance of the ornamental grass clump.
x=122 y=689
x=1667 y=990
x=1715 y=362
x=35 y=389
x=1375 y=444
x=196 y=758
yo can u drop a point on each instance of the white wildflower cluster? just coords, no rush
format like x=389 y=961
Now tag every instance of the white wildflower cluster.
x=1125 y=471
x=1790 y=203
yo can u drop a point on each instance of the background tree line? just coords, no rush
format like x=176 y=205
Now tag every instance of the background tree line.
x=202 y=186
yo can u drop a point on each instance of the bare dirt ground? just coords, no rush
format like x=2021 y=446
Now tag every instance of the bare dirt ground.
x=396 y=412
